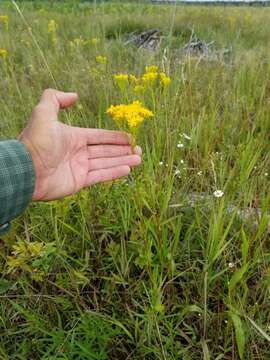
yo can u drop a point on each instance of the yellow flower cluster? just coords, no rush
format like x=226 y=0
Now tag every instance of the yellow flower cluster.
x=164 y=79
x=121 y=80
x=5 y=20
x=94 y=41
x=101 y=59
x=52 y=26
x=133 y=79
x=151 y=69
x=151 y=75
x=151 y=78
x=77 y=42
x=134 y=114
x=3 y=53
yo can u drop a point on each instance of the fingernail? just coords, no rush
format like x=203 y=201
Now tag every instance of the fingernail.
x=138 y=160
x=138 y=150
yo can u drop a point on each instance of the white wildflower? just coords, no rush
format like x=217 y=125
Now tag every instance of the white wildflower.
x=218 y=193
x=180 y=145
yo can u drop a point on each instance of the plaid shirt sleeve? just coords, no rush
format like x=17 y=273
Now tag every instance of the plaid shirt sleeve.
x=17 y=181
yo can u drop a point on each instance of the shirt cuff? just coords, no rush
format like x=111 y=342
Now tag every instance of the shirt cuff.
x=17 y=181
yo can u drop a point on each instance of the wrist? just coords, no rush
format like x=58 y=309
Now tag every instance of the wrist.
x=36 y=168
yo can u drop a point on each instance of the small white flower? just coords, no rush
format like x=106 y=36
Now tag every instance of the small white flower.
x=182 y=161
x=266 y=174
x=231 y=265
x=166 y=165
x=180 y=145
x=186 y=136
x=177 y=172
x=199 y=173
x=218 y=193
x=161 y=163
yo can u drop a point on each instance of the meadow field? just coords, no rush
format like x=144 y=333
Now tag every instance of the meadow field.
x=172 y=262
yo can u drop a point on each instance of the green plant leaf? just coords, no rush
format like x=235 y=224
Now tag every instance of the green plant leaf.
x=259 y=329
x=239 y=333
x=245 y=246
x=5 y=285
x=237 y=277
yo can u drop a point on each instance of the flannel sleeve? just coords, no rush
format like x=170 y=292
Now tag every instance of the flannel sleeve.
x=17 y=181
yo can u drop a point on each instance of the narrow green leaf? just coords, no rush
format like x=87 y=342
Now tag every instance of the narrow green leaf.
x=245 y=246
x=5 y=285
x=237 y=277
x=239 y=333
x=206 y=353
x=259 y=329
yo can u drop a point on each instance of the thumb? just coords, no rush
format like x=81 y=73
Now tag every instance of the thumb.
x=59 y=99
x=52 y=101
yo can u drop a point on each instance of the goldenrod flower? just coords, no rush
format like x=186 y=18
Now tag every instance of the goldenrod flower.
x=121 y=80
x=164 y=79
x=151 y=69
x=94 y=41
x=3 y=53
x=149 y=78
x=101 y=59
x=133 y=79
x=52 y=26
x=121 y=77
x=4 y=19
x=134 y=114
x=78 y=42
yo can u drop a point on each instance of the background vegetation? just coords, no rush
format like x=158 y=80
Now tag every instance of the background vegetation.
x=137 y=269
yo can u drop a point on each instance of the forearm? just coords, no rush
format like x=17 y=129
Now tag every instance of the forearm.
x=17 y=180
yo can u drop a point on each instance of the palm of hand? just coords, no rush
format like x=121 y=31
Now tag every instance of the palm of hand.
x=66 y=158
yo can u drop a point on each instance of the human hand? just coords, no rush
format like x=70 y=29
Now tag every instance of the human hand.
x=67 y=159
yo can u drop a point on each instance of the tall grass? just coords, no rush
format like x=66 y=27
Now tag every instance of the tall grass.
x=138 y=269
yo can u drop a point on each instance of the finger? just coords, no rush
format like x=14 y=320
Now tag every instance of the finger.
x=59 y=99
x=98 y=176
x=99 y=136
x=106 y=163
x=51 y=102
x=102 y=151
